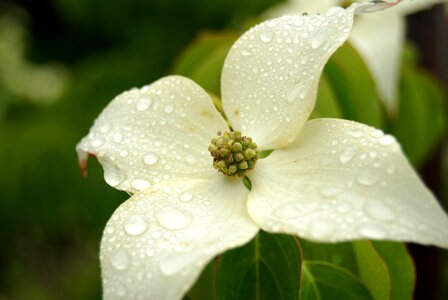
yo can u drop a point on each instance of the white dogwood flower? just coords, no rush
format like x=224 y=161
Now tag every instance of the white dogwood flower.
x=327 y=179
x=379 y=38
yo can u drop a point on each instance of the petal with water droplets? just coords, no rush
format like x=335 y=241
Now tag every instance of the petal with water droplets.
x=158 y=132
x=343 y=180
x=271 y=74
x=156 y=243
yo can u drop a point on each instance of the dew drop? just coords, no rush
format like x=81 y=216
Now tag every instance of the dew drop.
x=245 y=52
x=186 y=197
x=377 y=133
x=190 y=159
x=143 y=103
x=367 y=178
x=387 y=140
x=173 y=218
x=151 y=158
x=347 y=155
x=373 y=230
x=322 y=228
x=120 y=259
x=330 y=191
x=150 y=252
x=297 y=91
x=266 y=36
x=113 y=175
x=344 y=207
x=140 y=184
x=118 y=137
x=169 y=109
x=272 y=23
x=135 y=225
x=379 y=210
x=97 y=142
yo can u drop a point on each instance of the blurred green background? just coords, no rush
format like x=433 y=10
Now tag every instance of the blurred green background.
x=61 y=62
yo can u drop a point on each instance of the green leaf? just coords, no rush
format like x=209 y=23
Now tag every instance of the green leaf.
x=354 y=87
x=202 y=61
x=384 y=267
x=400 y=266
x=322 y=280
x=266 y=268
x=372 y=269
x=421 y=119
x=327 y=105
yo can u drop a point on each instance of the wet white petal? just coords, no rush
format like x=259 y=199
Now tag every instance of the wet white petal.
x=155 y=133
x=271 y=74
x=341 y=181
x=157 y=243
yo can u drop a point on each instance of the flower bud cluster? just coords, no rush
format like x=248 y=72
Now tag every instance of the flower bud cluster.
x=233 y=154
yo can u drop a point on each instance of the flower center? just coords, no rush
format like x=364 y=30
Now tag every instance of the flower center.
x=233 y=154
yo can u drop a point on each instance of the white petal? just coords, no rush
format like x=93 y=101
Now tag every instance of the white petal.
x=156 y=243
x=380 y=51
x=271 y=74
x=342 y=181
x=158 y=132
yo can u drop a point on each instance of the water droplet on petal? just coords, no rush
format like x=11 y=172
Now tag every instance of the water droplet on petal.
x=150 y=252
x=377 y=133
x=379 y=210
x=151 y=158
x=118 y=137
x=347 y=155
x=120 y=259
x=113 y=175
x=373 y=230
x=169 y=109
x=140 y=184
x=367 y=178
x=97 y=142
x=190 y=159
x=344 y=207
x=266 y=36
x=245 y=52
x=143 y=103
x=330 y=191
x=186 y=197
x=322 y=228
x=387 y=140
x=135 y=225
x=174 y=218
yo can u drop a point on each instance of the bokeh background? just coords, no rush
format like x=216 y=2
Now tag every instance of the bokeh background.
x=61 y=62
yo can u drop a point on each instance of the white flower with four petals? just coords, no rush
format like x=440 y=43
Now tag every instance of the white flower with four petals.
x=327 y=179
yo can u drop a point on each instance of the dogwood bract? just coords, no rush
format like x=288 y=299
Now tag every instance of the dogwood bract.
x=327 y=179
x=378 y=37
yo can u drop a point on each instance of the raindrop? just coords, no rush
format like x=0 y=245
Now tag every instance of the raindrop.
x=173 y=218
x=344 y=207
x=266 y=36
x=113 y=175
x=245 y=52
x=322 y=228
x=97 y=142
x=347 y=155
x=186 y=197
x=140 y=184
x=135 y=225
x=379 y=210
x=330 y=191
x=377 y=133
x=169 y=109
x=150 y=252
x=297 y=91
x=272 y=23
x=120 y=259
x=118 y=137
x=387 y=140
x=143 y=103
x=373 y=230
x=367 y=178
x=151 y=158
x=190 y=159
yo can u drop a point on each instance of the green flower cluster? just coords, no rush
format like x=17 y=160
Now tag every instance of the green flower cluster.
x=233 y=154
